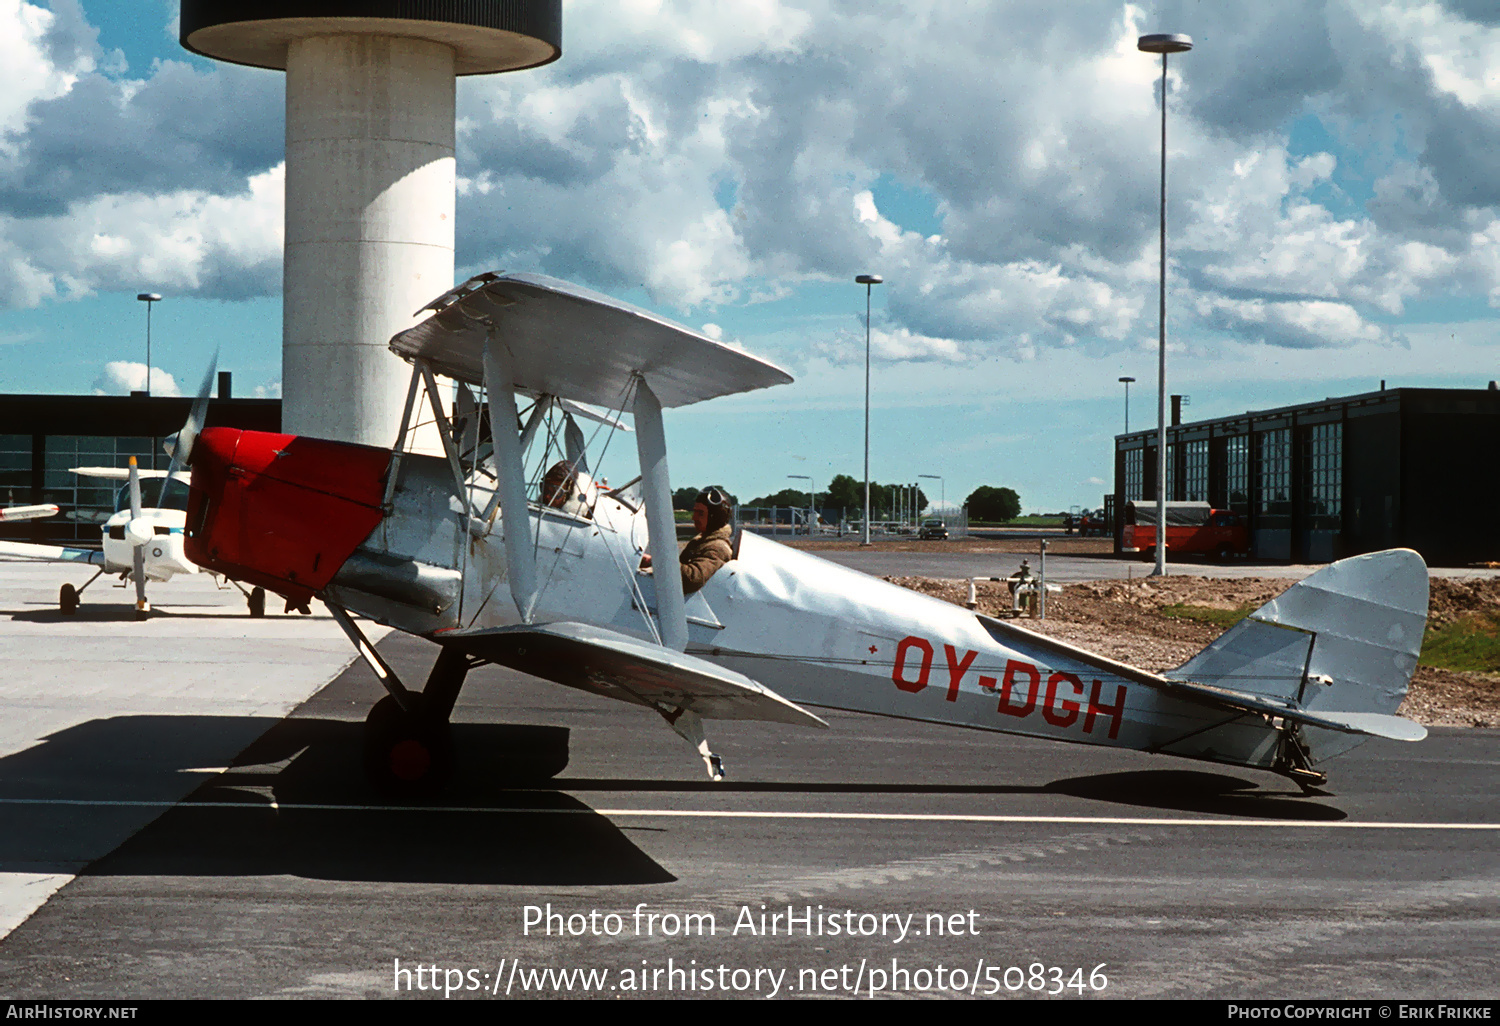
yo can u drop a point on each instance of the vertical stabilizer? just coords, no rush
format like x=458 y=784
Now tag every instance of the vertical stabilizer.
x=1345 y=639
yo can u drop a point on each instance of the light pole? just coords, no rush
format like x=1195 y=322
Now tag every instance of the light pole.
x=1126 y=382
x=804 y=477
x=148 y=298
x=868 y=281
x=942 y=489
x=1162 y=43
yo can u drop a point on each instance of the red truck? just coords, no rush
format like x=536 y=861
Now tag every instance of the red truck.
x=1193 y=528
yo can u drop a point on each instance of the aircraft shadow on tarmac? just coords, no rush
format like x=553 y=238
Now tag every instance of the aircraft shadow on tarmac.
x=120 y=613
x=253 y=820
x=1172 y=790
x=1195 y=791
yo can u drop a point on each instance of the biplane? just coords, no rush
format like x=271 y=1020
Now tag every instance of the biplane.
x=459 y=549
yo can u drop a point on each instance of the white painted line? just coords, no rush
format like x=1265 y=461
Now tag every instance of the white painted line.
x=915 y=817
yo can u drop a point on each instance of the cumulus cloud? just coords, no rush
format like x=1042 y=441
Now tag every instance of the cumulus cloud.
x=714 y=156
x=121 y=377
x=110 y=182
x=701 y=164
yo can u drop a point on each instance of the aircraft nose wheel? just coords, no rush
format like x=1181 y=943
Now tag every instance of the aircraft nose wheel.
x=407 y=754
x=257 y=602
x=67 y=600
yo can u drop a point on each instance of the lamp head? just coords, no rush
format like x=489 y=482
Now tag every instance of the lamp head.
x=868 y=279
x=149 y=297
x=1126 y=380
x=1164 y=42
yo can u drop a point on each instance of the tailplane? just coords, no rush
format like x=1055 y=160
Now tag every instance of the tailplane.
x=1334 y=652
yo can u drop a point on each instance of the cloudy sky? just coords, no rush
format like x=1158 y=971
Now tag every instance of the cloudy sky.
x=1334 y=212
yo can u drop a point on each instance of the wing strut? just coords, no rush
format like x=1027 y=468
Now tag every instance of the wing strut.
x=651 y=443
x=520 y=556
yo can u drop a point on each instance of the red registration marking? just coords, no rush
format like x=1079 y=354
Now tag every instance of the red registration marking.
x=1019 y=688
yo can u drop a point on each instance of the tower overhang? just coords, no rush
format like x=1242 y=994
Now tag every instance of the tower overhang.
x=486 y=36
x=370 y=175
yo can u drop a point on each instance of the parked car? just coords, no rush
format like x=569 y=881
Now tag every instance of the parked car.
x=933 y=528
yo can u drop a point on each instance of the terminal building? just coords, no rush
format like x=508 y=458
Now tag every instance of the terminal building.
x=43 y=437
x=1414 y=468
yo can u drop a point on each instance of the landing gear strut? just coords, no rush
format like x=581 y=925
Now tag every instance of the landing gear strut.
x=408 y=751
x=408 y=745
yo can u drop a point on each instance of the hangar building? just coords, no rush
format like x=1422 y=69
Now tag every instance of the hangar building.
x=42 y=437
x=1411 y=468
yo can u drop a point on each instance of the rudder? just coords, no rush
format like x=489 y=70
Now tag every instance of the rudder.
x=1345 y=639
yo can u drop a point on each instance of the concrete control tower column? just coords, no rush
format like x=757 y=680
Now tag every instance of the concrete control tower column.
x=369 y=175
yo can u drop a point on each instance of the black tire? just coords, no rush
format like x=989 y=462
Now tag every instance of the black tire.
x=257 y=602
x=407 y=754
x=67 y=600
x=1225 y=554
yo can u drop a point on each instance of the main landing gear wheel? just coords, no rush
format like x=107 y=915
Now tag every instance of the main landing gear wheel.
x=257 y=602
x=67 y=600
x=407 y=754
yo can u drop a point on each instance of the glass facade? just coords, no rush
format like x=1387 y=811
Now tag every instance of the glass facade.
x=1195 y=470
x=1237 y=473
x=1324 y=463
x=86 y=502
x=15 y=470
x=1273 y=478
x=1134 y=475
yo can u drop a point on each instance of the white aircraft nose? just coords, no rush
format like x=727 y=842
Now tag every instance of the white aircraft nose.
x=140 y=530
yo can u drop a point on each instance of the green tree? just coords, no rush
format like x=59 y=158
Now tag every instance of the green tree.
x=844 y=491
x=786 y=497
x=993 y=505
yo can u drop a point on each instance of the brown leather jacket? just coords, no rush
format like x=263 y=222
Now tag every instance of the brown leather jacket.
x=703 y=555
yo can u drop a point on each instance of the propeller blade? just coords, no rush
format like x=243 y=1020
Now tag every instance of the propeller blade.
x=135 y=490
x=182 y=448
x=139 y=557
x=137 y=551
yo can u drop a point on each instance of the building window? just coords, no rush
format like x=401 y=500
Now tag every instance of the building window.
x=1237 y=473
x=87 y=502
x=1134 y=460
x=1325 y=476
x=1274 y=478
x=15 y=470
x=1195 y=471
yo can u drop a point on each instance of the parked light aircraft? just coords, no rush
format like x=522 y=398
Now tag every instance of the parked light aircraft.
x=143 y=537
x=458 y=550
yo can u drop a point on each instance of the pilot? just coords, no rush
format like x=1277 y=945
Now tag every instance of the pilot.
x=567 y=489
x=709 y=549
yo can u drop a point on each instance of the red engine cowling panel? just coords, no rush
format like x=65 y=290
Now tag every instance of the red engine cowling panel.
x=281 y=511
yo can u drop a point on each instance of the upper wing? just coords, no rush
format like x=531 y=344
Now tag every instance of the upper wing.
x=28 y=512
x=616 y=665
x=571 y=342
x=51 y=553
